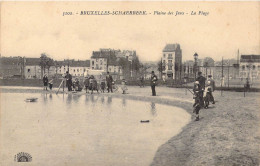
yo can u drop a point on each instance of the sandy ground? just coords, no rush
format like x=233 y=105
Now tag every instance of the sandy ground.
x=226 y=135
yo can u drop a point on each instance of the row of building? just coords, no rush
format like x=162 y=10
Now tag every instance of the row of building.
x=29 y=68
x=103 y=60
x=248 y=66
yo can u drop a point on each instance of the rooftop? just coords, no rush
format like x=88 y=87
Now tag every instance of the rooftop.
x=250 y=58
x=171 y=47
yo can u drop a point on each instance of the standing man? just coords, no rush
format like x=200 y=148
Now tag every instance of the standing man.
x=109 y=80
x=45 y=82
x=201 y=80
x=68 y=80
x=211 y=83
x=153 y=83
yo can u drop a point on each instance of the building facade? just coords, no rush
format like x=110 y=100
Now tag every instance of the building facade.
x=75 y=68
x=11 y=67
x=172 y=61
x=249 y=67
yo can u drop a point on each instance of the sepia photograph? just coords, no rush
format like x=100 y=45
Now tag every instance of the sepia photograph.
x=130 y=83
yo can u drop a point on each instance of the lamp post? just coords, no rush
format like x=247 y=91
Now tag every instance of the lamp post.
x=195 y=64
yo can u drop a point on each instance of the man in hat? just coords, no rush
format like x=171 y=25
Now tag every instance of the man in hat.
x=68 y=80
x=153 y=83
x=109 y=80
x=201 y=80
x=211 y=84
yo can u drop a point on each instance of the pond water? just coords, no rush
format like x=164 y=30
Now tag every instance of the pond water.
x=85 y=129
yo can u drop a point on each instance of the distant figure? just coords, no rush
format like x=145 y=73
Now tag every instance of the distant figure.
x=163 y=77
x=45 y=82
x=153 y=83
x=51 y=84
x=68 y=81
x=86 y=83
x=201 y=81
x=211 y=84
x=141 y=81
x=247 y=85
x=109 y=80
x=123 y=86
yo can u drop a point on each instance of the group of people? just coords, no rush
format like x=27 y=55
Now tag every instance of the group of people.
x=203 y=89
x=91 y=84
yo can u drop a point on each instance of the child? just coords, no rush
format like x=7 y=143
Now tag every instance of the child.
x=45 y=82
x=103 y=85
x=51 y=84
x=196 y=105
x=123 y=86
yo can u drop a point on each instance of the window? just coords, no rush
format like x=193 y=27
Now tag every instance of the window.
x=164 y=55
x=28 y=70
x=74 y=70
x=169 y=64
x=253 y=67
x=243 y=67
x=93 y=63
x=170 y=56
x=77 y=70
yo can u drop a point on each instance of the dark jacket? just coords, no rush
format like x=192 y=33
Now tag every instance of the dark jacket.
x=109 y=79
x=201 y=80
x=45 y=79
x=153 y=80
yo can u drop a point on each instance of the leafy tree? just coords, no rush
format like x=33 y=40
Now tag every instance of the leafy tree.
x=45 y=63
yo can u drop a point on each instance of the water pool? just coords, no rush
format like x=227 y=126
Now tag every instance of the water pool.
x=85 y=129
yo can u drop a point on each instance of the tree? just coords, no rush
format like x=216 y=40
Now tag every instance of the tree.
x=45 y=63
x=161 y=67
x=136 y=65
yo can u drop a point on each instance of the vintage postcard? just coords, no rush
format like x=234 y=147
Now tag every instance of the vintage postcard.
x=129 y=83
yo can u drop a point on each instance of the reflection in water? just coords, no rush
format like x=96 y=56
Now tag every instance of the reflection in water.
x=153 y=109
x=109 y=100
x=86 y=99
x=124 y=140
x=69 y=99
x=102 y=100
x=123 y=102
x=50 y=96
x=93 y=99
x=44 y=98
x=76 y=98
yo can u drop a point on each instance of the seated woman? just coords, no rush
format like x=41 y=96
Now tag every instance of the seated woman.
x=76 y=85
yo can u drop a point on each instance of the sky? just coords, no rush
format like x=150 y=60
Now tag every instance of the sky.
x=31 y=28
